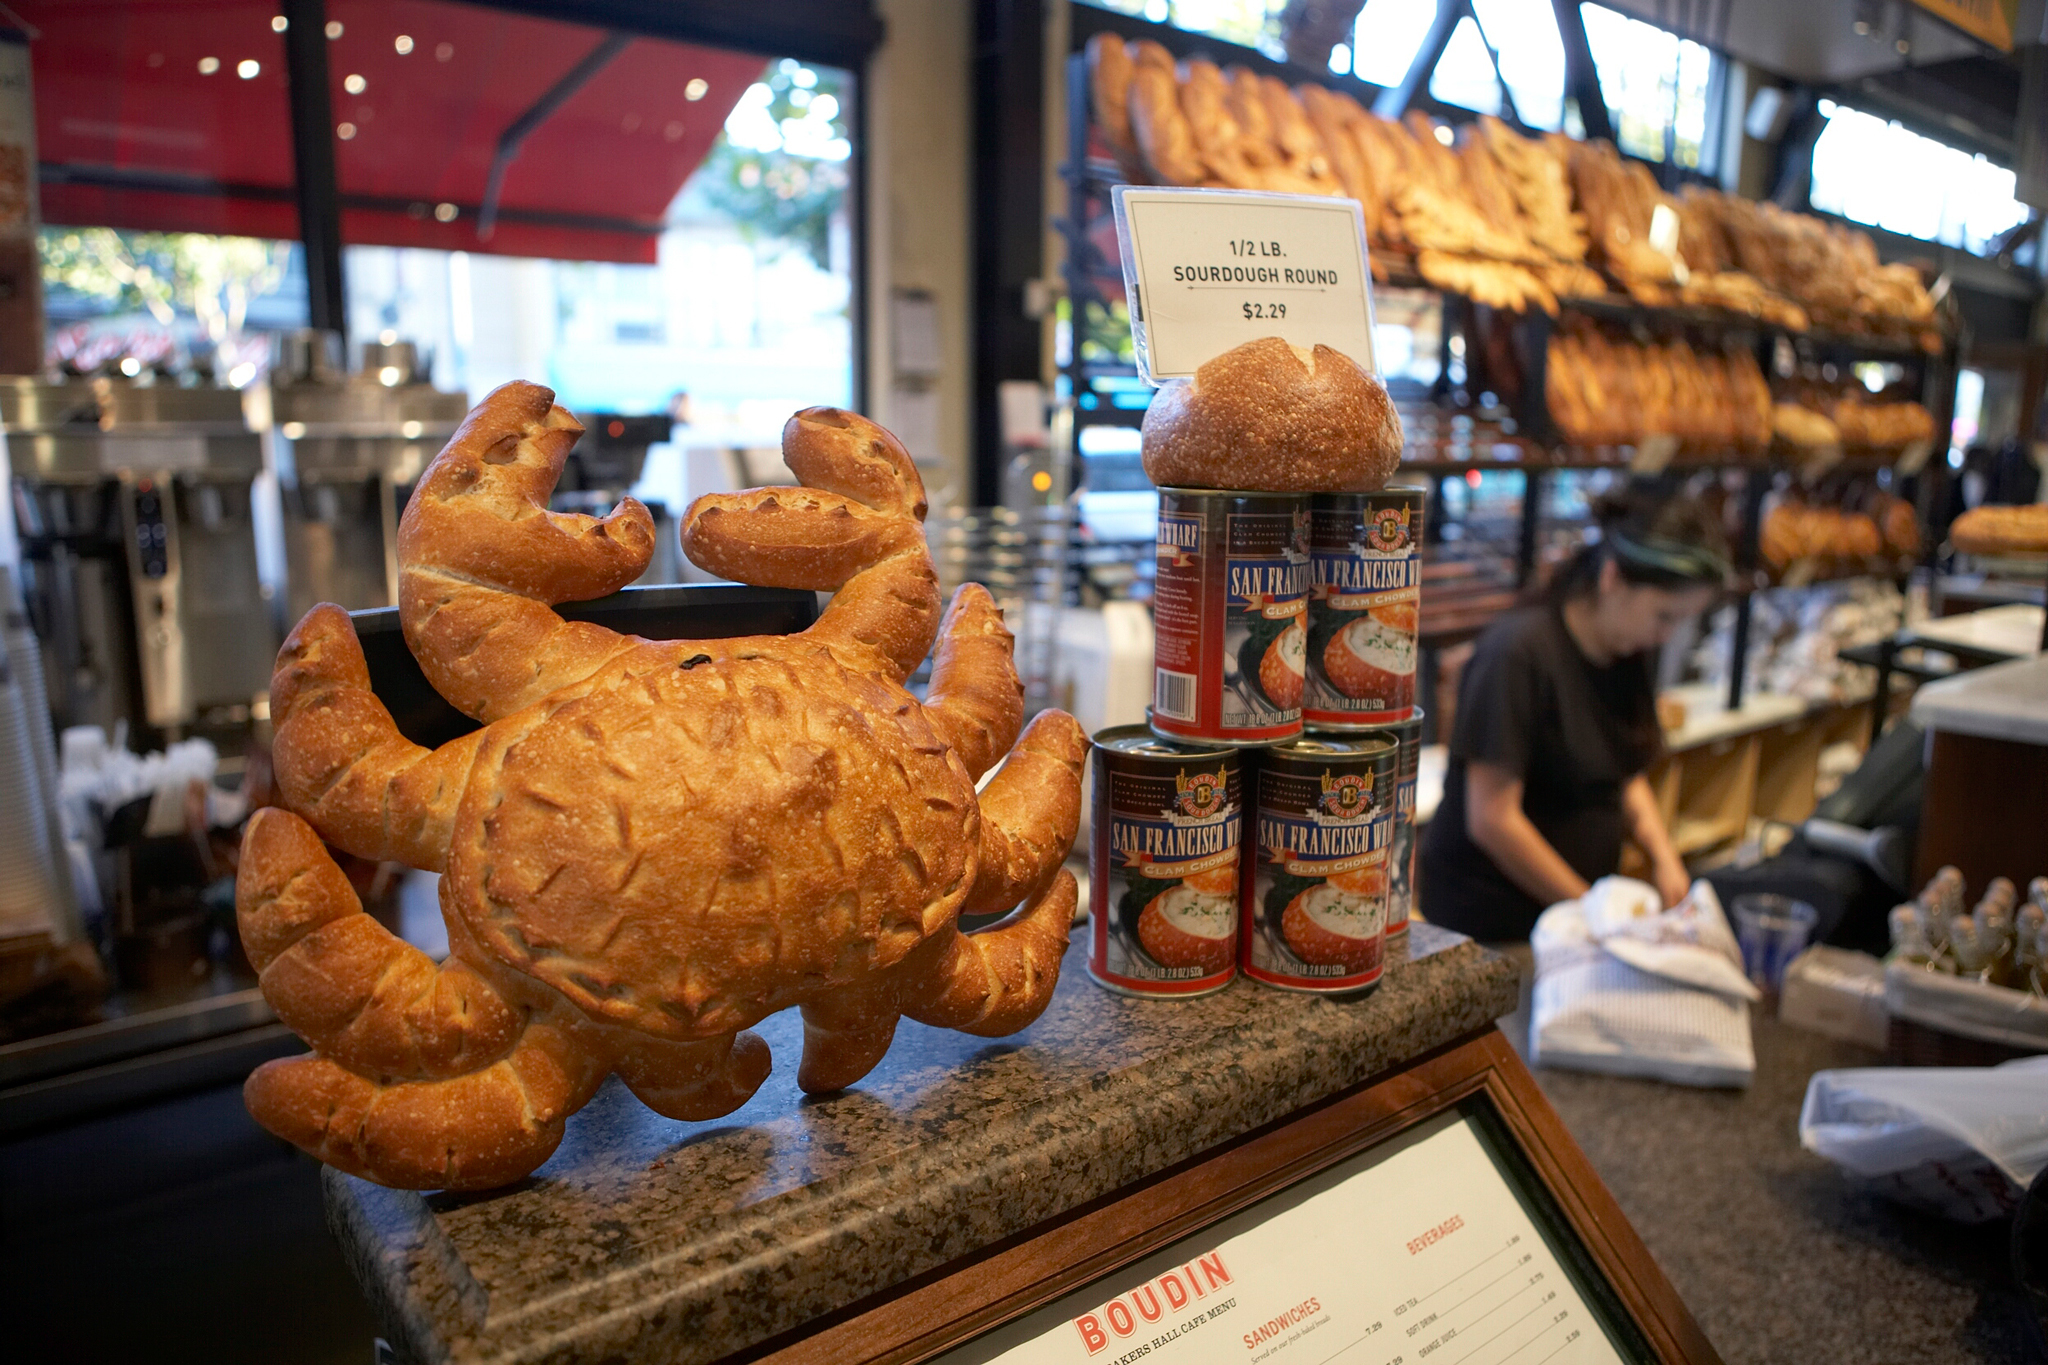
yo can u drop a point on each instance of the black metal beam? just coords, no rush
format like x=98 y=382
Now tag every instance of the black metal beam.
x=172 y=182
x=317 y=190
x=1581 y=75
x=539 y=112
x=1394 y=101
x=1008 y=91
x=839 y=33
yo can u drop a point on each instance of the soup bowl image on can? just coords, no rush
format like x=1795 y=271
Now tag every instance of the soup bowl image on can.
x=1365 y=589
x=1315 y=908
x=1229 y=606
x=1163 y=881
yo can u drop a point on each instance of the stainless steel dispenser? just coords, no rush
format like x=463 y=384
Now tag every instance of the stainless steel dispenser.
x=135 y=505
x=351 y=447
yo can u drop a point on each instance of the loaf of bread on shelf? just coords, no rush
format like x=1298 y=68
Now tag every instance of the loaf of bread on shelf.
x=1536 y=178
x=1166 y=143
x=2002 y=530
x=1271 y=417
x=1900 y=525
x=1803 y=427
x=1337 y=119
x=1305 y=165
x=1219 y=139
x=1110 y=69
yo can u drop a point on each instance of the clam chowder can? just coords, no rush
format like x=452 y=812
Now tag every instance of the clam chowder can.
x=1229 y=608
x=1315 y=889
x=1163 y=865
x=1401 y=879
x=1365 y=589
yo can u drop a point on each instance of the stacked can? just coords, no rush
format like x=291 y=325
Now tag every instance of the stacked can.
x=1229 y=609
x=1163 y=864
x=1316 y=881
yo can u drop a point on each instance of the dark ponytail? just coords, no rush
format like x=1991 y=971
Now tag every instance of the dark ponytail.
x=1655 y=538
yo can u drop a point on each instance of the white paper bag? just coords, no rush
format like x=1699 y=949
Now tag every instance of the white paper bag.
x=1963 y=1142
x=1648 y=993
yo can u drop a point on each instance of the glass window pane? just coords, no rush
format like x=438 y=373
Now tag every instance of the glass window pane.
x=1388 y=34
x=1464 y=74
x=1870 y=170
x=1531 y=56
x=1655 y=83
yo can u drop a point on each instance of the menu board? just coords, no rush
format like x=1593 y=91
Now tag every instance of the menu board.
x=1435 y=1248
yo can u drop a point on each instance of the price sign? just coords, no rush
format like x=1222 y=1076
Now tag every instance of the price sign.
x=1208 y=270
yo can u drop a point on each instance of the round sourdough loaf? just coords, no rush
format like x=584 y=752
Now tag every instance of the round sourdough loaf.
x=1270 y=417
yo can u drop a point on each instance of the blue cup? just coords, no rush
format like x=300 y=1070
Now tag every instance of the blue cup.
x=1772 y=930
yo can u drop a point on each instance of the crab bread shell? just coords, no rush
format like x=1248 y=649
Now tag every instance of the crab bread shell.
x=1269 y=417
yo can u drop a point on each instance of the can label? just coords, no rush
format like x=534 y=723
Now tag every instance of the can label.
x=1365 y=590
x=1163 y=878
x=1401 y=878
x=1315 y=909
x=1230 y=614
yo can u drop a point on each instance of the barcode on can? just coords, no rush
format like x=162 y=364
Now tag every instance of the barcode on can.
x=1173 y=694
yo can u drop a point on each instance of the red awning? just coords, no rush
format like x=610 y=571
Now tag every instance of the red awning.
x=136 y=131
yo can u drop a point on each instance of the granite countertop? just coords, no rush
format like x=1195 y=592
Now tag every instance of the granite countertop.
x=646 y=1239
x=1778 y=1255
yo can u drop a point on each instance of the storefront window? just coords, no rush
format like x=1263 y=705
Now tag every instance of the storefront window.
x=1389 y=32
x=1926 y=189
x=1656 y=85
x=1249 y=23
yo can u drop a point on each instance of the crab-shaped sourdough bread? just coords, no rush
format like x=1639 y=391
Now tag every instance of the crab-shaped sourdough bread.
x=650 y=845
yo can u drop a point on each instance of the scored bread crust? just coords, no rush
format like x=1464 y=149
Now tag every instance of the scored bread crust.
x=1269 y=417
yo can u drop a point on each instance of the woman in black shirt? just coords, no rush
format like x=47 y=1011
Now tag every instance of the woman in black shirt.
x=1557 y=724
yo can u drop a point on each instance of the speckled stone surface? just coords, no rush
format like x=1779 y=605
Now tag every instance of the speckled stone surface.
x=1778 y=1255
x=646 y=1239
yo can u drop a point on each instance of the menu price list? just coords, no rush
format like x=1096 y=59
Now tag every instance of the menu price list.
x=1418 y=1251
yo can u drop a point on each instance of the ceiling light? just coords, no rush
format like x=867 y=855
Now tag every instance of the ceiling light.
x=387 y=337
x=345 y=131
x=334 y=28
x=292 y=431
x=696 y=89
x=240 y=376
x=208 y=65
x=411 y=430
x=248 y=68
x=278 y=23
x=445 y=213
x=130 y=366
x=354 y=84
x=403 y=43
x=389 y=376
x=1445 y=135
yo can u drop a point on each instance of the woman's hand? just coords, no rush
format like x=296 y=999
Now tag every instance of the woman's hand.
x=1671 y=879
x=1646 y=827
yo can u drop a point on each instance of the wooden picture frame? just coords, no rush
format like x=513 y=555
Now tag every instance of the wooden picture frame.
x=951 y=1306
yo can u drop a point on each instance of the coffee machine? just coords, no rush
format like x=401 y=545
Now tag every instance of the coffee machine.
x=350 y=447
x=137 y=512
x=603 y=466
